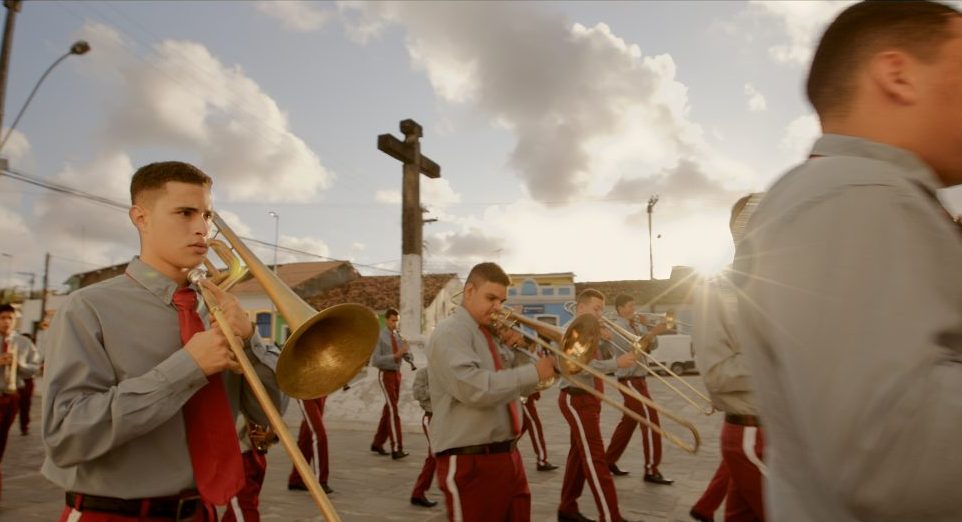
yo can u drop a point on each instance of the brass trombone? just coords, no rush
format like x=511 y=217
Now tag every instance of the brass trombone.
x=641 y=345
x=578 y=346
x=325 y=350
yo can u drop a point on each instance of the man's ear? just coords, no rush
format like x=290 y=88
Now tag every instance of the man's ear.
x=138 y=216
x=896 y=75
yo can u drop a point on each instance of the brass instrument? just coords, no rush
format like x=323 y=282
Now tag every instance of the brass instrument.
x=324 y=351
x=542 y=385
x=11 y=370
x=578 y=346
x=641 y=346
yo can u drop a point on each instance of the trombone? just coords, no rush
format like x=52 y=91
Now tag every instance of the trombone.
x=578 y=346
x=325 y=350
x=641 y=345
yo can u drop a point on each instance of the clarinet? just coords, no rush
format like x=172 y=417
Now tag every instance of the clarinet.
x=408 y=356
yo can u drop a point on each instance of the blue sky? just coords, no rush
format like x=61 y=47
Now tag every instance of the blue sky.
x=552 y=122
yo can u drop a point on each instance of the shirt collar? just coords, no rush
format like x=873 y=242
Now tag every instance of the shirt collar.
x=464 y=316
x=914 y=168
x=156 y=283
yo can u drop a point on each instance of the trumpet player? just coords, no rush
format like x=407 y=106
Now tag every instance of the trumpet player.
x=634 y=378
x=476 y=420
x=387 y=358
x=18 y=360
x=140 y=397
x=586 y=457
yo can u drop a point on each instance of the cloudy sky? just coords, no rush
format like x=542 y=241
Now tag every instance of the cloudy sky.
x=553 y=124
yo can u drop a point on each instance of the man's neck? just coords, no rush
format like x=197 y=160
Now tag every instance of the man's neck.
x=175 y=274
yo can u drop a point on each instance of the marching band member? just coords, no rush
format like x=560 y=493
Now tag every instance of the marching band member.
x=387 y=359
x=476 y=418
x=729 y=382
x=850 y=310
x=19 y=355
x=312 y=442
x=422 y=394
x=634 y=378
x=254 y=441
x=139 y=410
x=582 y=411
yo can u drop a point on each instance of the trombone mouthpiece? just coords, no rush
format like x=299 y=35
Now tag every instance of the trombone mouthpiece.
x=196 y=274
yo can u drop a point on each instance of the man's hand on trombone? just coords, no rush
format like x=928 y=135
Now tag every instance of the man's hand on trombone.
x=239 y=321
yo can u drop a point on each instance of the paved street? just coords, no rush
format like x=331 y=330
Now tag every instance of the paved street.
x=369 y=488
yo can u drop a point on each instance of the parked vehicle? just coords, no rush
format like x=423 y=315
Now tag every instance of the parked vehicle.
x=675 y=352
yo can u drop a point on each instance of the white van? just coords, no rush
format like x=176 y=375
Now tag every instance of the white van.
x=675 y=352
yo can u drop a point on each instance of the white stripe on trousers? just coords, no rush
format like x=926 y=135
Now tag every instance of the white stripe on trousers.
x=74 y=515
x=647 y=433
x=535 y=436
x=587 y=458
x=425 y=423
x=235 y=507
x=749 y=437
x=390 y=407
x=453 y=488
x=316 y=461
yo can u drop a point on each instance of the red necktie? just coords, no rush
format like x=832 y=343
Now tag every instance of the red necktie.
x=512 y=407
x=211 y=437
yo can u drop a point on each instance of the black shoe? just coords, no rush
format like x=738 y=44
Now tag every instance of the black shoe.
x=296 y=487
x=327 y=489
x=547 y=466
x=398 y=455
x=613 y=468
x=656 y=478
x=699 y=517
x=378 y=450
x=423 y=502
x=576 y=517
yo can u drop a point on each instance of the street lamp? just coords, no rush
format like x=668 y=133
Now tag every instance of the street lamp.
x=277 y=225
x=79 y=47
x=651 y=248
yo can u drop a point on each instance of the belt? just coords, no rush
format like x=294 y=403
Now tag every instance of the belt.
x=178 y=507
x=571 y=390
x=389 y=371
x=742 y=420
x=482 y=449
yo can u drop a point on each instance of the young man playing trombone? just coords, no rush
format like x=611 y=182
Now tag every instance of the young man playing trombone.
x=582 y=411
x=18 y=360
x=477 y=417
x=139 y=405
x=634 y=378
x=387 y=359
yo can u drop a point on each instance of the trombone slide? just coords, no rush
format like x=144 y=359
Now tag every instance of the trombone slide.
x=11 y=371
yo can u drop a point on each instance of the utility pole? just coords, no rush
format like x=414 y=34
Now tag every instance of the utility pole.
x=13 y=7
x=43 y=296
x=409 y=154
x=651 y=245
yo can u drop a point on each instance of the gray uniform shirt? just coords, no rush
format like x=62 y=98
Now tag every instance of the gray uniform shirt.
x=116 y=380
x=468 y=395
x=851 y=317
x=421 y=390
x=722 y=365
x=605 y=362
x=383 y=357
x=28 y=360
x=635 y=370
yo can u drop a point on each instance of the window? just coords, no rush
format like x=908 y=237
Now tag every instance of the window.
x=512 y=291
x=529 y=287
x=564 y=290
x=547 y=291
x=264 y=325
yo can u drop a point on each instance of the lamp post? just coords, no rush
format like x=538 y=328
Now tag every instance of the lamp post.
x=79 y=47
x=277 y=225
x=651 y=246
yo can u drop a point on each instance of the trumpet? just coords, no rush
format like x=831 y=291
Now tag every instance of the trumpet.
x=324 y=351
x=641 y=346
x=578 y=346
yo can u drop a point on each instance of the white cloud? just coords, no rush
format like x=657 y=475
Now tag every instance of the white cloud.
x=180 y=95
x=583 y=104
x=799 y=136
x=756 y=102
x=17 y=147
x=311 y=245
x=300 y=16
x=390 y=197
x=803 y=22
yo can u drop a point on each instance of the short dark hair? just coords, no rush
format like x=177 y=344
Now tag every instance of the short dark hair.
x=622 y=300
x=156 y=175
x=391 y=312
x=7 y=307
x=589 y=293
x=864 y=29
x=487 y=272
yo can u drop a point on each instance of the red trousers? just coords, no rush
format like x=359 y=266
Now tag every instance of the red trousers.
x=423 y=482
x=586 y=458
x=390 y=425
x=9 y=404
x=741 y=448
x=532 y=423
x=69 y=514
x=626 y=428
x=244 y=505
x=312 y=441
x=26 y=397
x=715 y=493
x=485 y=488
